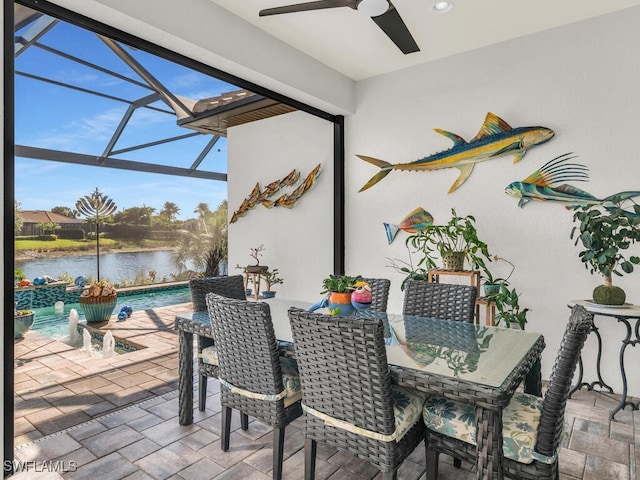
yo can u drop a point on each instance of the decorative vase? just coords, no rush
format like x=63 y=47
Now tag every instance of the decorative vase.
x=453 y=261
x=98 y=309
x=340 y=303
x=22 y=323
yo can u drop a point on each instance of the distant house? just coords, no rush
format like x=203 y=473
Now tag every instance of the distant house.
x=31 y=218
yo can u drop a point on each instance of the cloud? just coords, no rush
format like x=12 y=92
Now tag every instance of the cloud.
x=78 y=134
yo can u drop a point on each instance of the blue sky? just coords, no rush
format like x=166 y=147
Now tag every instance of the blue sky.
x=54 y=117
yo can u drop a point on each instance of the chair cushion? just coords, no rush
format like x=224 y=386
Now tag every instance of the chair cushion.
x=209 y=355
x=520 y=420
x=290 y=380
x=407 y=408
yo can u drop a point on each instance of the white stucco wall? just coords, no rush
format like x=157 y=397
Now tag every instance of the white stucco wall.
x=298 y=241
x=581 y=81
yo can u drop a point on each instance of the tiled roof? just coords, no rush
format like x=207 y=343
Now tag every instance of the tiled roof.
x=39 y=216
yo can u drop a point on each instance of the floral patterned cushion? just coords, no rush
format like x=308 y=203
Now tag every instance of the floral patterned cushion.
x=209 y=355
x=407 y=408
x=291 y=380
x=520 y=421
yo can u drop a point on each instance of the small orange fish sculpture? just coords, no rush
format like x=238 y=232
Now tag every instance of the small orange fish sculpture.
x=416 y=221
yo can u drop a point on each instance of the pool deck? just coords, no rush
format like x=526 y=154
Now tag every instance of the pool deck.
x=58 y=386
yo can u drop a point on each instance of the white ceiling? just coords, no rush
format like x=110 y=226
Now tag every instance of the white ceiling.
x=352 y=44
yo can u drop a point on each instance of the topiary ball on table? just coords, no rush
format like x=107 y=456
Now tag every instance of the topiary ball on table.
x=609 y=295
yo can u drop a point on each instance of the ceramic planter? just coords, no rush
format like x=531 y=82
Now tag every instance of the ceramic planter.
x=98 y=309
x=340 y=303
x=22 y=323
x=453 y=261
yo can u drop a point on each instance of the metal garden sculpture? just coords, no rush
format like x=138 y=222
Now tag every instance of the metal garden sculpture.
x=95 y=206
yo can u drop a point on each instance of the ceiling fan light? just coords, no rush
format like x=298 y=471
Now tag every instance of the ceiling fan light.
x=443 y=6
x=373 y=8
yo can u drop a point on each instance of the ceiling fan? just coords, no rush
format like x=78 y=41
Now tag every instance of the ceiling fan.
x=382 y=12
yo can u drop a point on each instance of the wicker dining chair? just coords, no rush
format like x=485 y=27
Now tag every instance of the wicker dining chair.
x=379 y=293
x=232 y=287
x=254 y=379
x=532 y=427
x=347 y=396
x=440 y=300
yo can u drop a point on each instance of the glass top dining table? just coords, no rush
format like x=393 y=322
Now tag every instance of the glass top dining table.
x=480 y=365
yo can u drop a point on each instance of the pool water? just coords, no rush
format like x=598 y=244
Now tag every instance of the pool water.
x=56 y=324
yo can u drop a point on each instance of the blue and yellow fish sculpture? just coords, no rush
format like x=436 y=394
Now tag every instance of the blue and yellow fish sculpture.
x=412 y=223
x=494 y=139
x=543 y=185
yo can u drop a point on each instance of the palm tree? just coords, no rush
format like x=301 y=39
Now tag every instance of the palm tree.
x=95 y=206
x=206 y=247
x=203 y=211
x=169 y=210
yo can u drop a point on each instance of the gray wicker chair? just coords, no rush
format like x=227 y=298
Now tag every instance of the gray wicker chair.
x=346 y=386
x=253 y=378
x=232 y=287
x=440 y=300
x=379 y=293
x=544 y=464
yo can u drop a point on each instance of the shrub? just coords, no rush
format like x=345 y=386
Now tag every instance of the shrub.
x=76 y=234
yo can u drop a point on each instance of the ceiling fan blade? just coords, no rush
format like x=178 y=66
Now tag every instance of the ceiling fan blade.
x=303 y=7
x=392 y=24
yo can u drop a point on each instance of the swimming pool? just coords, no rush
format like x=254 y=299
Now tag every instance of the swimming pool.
x=56 y=324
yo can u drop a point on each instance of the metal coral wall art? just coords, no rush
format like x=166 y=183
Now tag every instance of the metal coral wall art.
x=494 y=139
x=258 y=196
x=416 y=221
x=545 y=185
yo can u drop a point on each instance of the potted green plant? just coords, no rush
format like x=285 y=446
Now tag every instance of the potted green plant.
x=338 y=289
x=271 y=278
x=256 y=253
x=491 y=284
x=605 y=232
x=454 y=241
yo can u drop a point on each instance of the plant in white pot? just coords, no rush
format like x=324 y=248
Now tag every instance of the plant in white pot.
x=605 y=233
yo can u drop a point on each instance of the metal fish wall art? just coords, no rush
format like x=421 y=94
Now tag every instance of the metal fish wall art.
x=414 y=222
x=545 y=185
x=495 y=138
x=258 y=196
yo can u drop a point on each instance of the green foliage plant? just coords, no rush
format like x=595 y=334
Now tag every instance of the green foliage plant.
x=605 y=233
x=508 y=309
x=271 y=278
x=339 y=283
x=459 y=234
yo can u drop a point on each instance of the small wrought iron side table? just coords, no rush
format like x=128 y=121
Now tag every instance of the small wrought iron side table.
x=624 y=314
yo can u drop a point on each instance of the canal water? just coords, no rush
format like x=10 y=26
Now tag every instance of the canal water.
x=115 y=267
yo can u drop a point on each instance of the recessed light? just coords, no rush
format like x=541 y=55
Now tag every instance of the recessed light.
x=443 y=6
